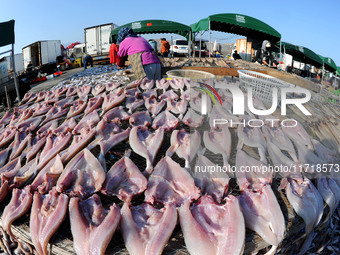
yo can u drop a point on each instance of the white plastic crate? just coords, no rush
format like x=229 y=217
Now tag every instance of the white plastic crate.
x=262 y=85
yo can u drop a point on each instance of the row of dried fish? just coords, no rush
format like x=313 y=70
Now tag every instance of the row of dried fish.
x=146 y=229
x=206 y=62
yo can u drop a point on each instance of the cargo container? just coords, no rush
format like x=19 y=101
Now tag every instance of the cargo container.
x=19 y=63
x=97 y=41
x=41 y=53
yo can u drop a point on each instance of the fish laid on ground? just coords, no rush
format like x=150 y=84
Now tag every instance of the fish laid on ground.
x=47 y=128
x=218 y=141
x=29 y=125
x=140 y=119
x=34 y=146
x=165 y=120
x=146 y=144
x=146 y=229
x=20 y=141
x=213 y=229
x=124 y=180
x=88 y=122
x=116 y=97
x=326 y=154
x=54 y=113
x=54 y=145
x=146 y=84
x=82 y=176
x=67 y=126
x=18 y=177
x=185 y=145
x=153 y=106
x=252 y=137
x=330 y=192
x=20 y=203
x=41 y=109
x=280 y=139
x=305 y=199
x=251 y=172
x=116 y=115
x=77 y=107
x=83 y=91
x=177 y=107
x=193 y=119
x=71 y=91
x=169 y=94
x=210 y=181
x=134 y=92
x=79 y=142
x=162 y=84
x=170 y=183
x=92 y=226
x=3 y=156
x=48 y=212
x=7 y=135
x=108 y=135
x=298 y=133
x=268 y=223
x=93 y=104
x=96 y=90
x=48 y=176
x=132 y=103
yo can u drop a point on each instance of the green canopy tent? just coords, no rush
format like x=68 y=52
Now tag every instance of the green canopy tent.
x=237 y=24
x=338 y=71
x=302 y=54
x=7 y=37
x=156 y=27
x=329 y=64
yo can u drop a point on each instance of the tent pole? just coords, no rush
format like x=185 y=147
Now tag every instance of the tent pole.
x=200 y=44
x=323 y=72
x=189 y=53
x=209 y=38
x=15 y=75
x=246 y=49
x=280 y=52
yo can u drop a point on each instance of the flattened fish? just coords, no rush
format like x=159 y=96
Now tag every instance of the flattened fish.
x=92 y=225
x=48 y=212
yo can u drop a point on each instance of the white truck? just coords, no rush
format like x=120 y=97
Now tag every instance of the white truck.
x=42 y=53
x=97 y=41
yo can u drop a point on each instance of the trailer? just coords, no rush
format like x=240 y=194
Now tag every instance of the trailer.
x=7 y=84
x=42 y=54
x=97 y=42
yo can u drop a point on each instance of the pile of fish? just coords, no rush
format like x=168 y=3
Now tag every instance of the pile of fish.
x=54 y=158
x=205 y=62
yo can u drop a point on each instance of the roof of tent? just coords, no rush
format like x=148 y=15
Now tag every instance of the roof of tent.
x=338 y=70
x=329 y=64
x=238 y=24
x=156 y=27
x=301 y=53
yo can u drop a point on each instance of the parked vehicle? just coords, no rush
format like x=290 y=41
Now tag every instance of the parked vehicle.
x=42 y=54
x=97 y=41
x=179 y=47
x=7 y=85
x=204 y=49
x=19 y=65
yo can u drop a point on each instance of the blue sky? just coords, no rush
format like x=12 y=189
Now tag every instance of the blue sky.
x=313 y=24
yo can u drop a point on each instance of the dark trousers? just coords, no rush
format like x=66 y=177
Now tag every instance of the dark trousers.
x=88 y=61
